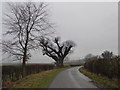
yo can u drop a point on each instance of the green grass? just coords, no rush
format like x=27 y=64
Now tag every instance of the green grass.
x=40 y=80
x=103 y=81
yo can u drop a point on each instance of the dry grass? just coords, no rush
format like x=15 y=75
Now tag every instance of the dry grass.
x=40 y=80
x=101 y=80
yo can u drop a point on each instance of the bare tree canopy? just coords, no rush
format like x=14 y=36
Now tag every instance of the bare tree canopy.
x=107 y=54
x=56 y=50
x=26 y=23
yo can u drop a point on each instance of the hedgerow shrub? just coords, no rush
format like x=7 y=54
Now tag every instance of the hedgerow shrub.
x=107 y=67
x=14 y=72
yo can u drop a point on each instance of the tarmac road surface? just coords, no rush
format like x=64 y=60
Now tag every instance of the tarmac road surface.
x=71 y=78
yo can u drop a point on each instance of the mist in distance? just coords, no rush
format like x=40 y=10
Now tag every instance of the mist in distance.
x=93 y=26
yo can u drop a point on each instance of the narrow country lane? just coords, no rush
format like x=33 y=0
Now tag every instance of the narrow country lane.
x=71 y=78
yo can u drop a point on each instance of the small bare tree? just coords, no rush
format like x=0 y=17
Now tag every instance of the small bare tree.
x=56 y=50
x=88 y=57
x=107 y=55
x=26 y=23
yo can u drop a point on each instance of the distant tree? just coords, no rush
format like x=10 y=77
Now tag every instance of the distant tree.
x=107 y=54
x=67 y=58
x=88 y=57
x=56 y=50
x=26 y=23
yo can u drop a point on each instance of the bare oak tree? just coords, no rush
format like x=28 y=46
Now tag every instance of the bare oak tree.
x=56 y=50
x=26 y=23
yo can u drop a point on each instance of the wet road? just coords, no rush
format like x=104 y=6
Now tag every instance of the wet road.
x=71 y=78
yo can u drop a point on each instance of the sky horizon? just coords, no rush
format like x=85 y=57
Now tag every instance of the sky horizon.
x=93 y=26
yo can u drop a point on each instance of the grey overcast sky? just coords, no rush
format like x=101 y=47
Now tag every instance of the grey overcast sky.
x=93 y=26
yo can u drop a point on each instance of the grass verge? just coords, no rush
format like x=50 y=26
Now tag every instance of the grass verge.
x=100 y=81
x=40 y=80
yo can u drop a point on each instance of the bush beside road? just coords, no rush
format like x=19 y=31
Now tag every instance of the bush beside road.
x=100 y=81
x=39 y=80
